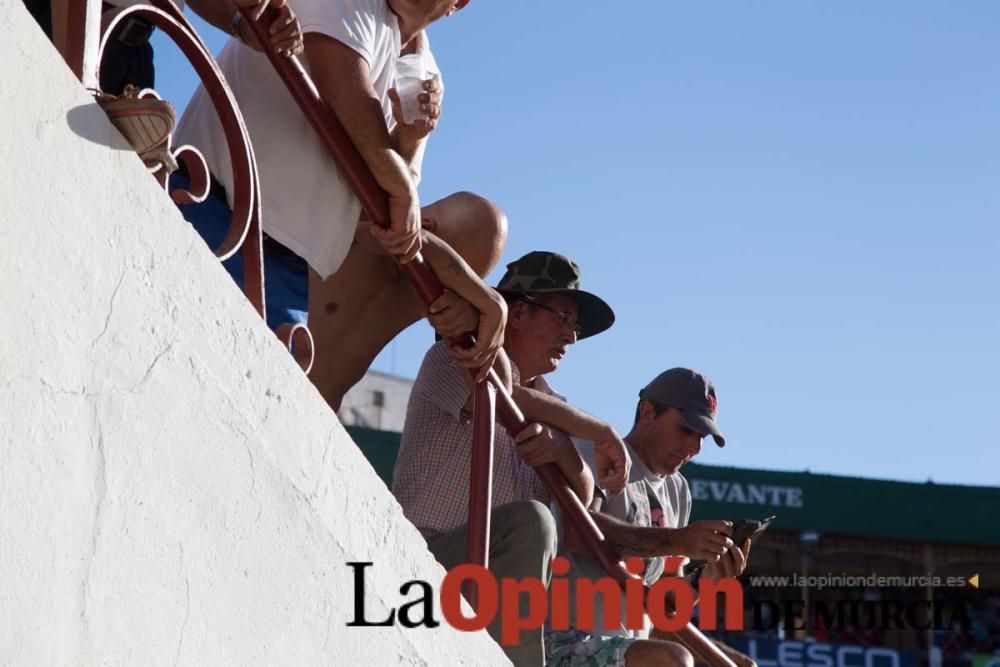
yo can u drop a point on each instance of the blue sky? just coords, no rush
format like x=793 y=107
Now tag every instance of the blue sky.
x=798 y=198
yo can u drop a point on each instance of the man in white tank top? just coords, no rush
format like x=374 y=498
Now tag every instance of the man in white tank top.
x=357 y=298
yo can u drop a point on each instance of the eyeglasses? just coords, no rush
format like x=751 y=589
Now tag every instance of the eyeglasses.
x=562 y=317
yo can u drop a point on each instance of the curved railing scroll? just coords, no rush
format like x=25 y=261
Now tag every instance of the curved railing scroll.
x=244 y=228
x=76 y=43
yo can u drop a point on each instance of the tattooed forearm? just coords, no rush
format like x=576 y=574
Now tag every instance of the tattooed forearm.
x=628 y=540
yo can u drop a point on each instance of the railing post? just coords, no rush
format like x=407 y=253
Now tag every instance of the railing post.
x=481 y=482
x=76 y=34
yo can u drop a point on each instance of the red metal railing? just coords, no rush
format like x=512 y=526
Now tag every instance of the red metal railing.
x=374 y=200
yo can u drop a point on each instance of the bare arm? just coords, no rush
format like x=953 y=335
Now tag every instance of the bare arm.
x=411 y=139
x=538 y=444
x=411 y=151
x=286 y=36
x=456 y=275
x=539 y=406
x=611 y=457
x=342 y=78
x=702 y=539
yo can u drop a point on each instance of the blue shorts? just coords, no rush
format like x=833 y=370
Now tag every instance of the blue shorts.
x=286 y=275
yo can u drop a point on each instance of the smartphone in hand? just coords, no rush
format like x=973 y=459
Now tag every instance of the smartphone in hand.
x=743 y=529
x=750 y=528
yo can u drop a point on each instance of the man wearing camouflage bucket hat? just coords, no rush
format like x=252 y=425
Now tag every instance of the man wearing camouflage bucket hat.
x=539 y=275
x=547 y=313
x=675 y=412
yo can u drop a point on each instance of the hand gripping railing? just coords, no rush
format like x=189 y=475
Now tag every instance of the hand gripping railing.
x=375 y=203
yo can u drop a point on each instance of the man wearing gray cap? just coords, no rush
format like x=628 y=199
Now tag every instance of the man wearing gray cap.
x=675 y=412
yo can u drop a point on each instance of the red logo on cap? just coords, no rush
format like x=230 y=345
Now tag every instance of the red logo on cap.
x=712 y=404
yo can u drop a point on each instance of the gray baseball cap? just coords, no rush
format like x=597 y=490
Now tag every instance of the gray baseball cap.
x=692 y=394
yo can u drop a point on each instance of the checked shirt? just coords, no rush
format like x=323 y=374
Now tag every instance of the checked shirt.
x=431 y=477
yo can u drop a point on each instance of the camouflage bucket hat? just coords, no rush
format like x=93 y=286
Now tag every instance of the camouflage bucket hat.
x=541 y=272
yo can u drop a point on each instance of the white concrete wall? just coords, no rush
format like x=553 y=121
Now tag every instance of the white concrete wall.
x=172 y=489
